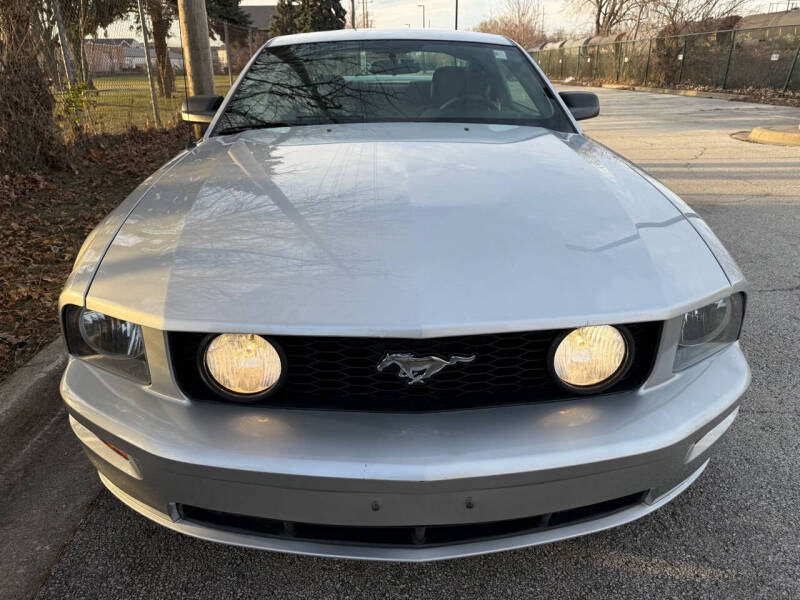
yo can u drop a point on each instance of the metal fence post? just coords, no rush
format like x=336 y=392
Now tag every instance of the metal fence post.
x=647 y=66
x=153 y=100
x=619 y=53
x=227 y=52
x=578 y=64
x=730 y=56
x=791 y=70
x=683 y=60
x=596 y=61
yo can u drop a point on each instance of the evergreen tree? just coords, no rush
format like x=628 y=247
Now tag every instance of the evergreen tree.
x=226 y=10
x=320 y=15
x=284 y=21
x=293 y=16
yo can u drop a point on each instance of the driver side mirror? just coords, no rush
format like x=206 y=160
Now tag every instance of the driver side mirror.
x=582 y=105
x=200 y=109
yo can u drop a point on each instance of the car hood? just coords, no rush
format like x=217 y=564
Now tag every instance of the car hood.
x=401 y=230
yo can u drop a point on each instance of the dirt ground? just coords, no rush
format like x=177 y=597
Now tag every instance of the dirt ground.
x=45 y=218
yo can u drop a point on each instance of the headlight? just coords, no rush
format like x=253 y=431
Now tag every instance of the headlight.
x=591 y=359
x=708 y=329
x=243 y=367
x=109 y=336
x=110 y=343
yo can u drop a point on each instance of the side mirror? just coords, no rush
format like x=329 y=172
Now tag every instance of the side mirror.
x=582 y=105
x=200 y=109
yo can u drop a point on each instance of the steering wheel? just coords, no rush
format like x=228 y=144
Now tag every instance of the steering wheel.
x=466 y=99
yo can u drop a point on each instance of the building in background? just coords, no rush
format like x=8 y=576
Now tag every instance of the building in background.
x=107 y=55
x=219 y=59
x=134 y=58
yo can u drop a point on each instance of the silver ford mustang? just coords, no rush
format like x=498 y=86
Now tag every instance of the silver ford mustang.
x=395 y=305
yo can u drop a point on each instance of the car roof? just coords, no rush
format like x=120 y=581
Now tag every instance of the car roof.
x=340 y=35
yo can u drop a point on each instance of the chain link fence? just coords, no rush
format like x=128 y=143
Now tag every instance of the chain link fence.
x=104 y=80
x=108 y=73
x=764 y=58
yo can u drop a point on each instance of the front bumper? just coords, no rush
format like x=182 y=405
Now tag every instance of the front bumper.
x=379 y=471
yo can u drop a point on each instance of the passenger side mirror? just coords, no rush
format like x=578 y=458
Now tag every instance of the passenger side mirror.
x=582 y=105
x=200 y=109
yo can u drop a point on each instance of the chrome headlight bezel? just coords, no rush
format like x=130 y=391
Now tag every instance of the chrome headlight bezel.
x=228 y=394
x=692 y=350
x=607 y=383
x=131 y=364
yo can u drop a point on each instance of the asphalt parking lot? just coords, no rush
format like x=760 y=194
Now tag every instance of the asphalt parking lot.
x=734 y=534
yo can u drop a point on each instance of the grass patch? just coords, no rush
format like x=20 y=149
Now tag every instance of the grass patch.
x=122 y=101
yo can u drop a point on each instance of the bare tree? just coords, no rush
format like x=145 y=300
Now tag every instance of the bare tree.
x=162 y=13
x=609 y=15
x=29 y=138
x=521 y=20
x=678 y=16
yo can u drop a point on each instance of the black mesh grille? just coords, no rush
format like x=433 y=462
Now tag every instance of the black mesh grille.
x=420 y=536
x=340 y=373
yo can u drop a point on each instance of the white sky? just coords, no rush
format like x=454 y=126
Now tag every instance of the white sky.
x=440 y=13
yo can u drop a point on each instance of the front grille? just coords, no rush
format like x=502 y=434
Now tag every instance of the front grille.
x=340 y=373
x=399 y=537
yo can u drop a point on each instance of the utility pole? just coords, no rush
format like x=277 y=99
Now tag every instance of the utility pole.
x=422 y=6
x=456 y=15
x=196 y=49
x=352 y=14
x=149 y=68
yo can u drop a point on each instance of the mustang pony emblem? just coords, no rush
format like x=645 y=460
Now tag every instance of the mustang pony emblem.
x=419 y=368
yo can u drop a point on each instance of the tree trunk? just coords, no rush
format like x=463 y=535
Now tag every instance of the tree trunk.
x=47 y=51
x=69 y=67
x=29 y=138
x=87 y=71
x=75 y=51
x=160 y=30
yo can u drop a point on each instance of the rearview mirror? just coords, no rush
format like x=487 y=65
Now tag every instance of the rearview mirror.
x=200 y=109
x=582 y=105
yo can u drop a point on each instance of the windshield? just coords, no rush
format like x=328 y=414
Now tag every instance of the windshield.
x=377 y=81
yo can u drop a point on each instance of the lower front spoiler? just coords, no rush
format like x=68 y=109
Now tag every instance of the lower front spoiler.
x=542 y=535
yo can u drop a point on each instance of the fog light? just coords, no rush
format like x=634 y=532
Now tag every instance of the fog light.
x=591 y=358
x=243 y=366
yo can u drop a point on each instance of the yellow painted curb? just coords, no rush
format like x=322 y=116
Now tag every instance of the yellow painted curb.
x=783 y=136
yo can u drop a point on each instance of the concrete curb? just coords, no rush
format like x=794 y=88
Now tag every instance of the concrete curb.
x=671 y=92
x=774 y=135
x=46 y=483
x=27 y=397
